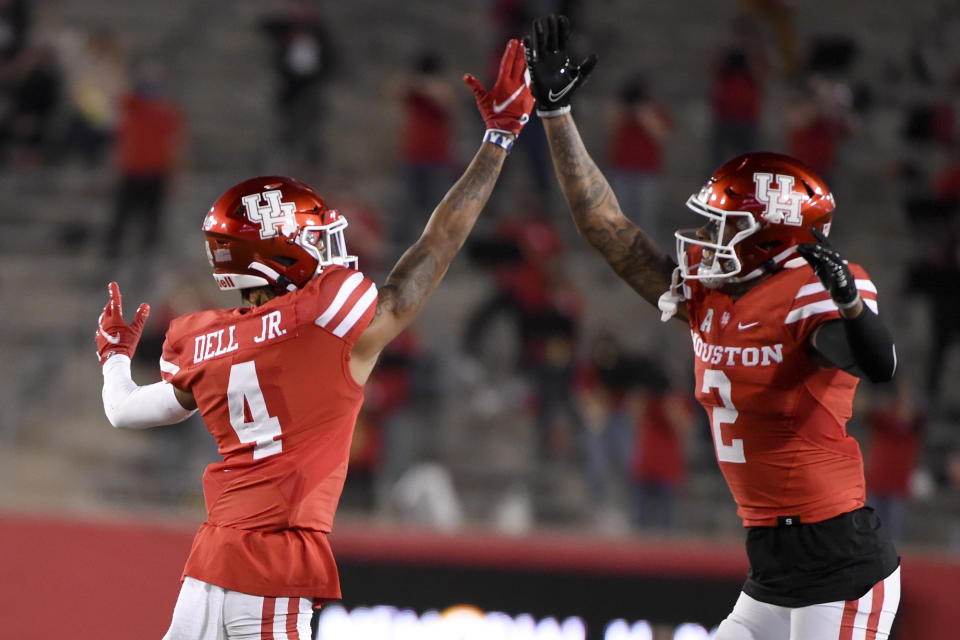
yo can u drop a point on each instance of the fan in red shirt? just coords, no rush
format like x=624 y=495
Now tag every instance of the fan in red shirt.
x=659 y=465
x=279 y=380
x=147 y=146
x=641 y=128
x=896 y=429
x=426 y=144
x=736 y=102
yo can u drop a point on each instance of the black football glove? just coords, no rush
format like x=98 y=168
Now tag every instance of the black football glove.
x=554 y=77
x=831 y=269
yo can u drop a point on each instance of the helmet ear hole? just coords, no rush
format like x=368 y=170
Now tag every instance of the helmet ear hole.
x=284 y=260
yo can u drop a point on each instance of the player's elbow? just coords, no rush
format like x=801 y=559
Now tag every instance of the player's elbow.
x=118 y=419
x=883 y=369
x=115 y=421
x=438 y=246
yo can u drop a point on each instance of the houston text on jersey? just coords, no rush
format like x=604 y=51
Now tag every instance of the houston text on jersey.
x=763 y=356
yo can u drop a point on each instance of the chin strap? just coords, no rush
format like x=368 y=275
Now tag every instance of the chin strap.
x=279 y=281
x=671 y=298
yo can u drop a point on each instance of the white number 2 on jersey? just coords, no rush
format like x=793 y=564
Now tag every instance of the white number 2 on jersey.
x=263 y=428
x=727 y=414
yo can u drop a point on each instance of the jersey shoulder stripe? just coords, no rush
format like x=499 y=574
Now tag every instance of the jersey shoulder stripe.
x=168 y=367
x=822 y=306
x=863 y=285
x=343 y=293
x=359 y=308
x=812 y=299
x=340 y=301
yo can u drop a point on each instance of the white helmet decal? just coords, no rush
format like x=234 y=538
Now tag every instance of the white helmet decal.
x=275 y=214
x=783 y=206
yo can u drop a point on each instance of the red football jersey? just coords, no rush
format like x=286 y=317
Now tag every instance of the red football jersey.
x=778 y=420
x=273 y=385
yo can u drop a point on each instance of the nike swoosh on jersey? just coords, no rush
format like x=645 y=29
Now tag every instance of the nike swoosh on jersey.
x=497 y=108
x=559 y=94
x=742 y=326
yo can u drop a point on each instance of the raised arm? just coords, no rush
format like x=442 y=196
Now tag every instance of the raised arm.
x=627 y=248
x=505 y=109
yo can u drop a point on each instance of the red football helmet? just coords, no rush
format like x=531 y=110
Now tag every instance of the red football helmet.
x=273 y=230
x=760 y=206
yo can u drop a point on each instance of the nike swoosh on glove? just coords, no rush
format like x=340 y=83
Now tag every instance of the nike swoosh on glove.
x=507 y=105
x=114 y=336
x=553 y=75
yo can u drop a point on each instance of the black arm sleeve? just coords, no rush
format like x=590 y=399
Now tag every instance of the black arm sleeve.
x=862 y=346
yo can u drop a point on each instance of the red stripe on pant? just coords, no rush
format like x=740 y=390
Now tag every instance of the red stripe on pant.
x=873 y=622
x=293 y=616
x=846 y=622
x=266 y=619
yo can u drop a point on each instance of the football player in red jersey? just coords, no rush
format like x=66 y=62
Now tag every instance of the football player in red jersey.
x=279 y=380
x=782 y=329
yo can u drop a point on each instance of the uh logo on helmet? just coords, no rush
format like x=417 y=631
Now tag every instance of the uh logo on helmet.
x=759 y=207
x=273 y=231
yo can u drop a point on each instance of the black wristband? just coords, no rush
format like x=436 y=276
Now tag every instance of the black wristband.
x=871 y=345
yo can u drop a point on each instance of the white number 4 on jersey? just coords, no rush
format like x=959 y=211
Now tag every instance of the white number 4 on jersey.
x=244 y=387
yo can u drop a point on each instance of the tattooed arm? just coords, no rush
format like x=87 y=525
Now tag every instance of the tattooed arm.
x=505 y=108
x=627 y=248
x=420 y=269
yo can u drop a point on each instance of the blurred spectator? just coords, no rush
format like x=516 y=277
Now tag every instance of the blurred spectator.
x=545 y=307
x=780 y=17
x=604 y=384
x=426 y=497
x=936 y=270
x=36 y=89
x=932 y=53
x=737 y=105
x=952 y=473
x=427 y=146
x=512 y=19
x=946 y=181
x=636 y=156
x=551 y=342
x=302 y=58
x=817 y=121
x=147 y=148
x=14 y=27
x=365 y=233
x=930 y=121
x=520 y=255
x=95 y=69
x=896 y=428
x=382 y=443
x=659 y=465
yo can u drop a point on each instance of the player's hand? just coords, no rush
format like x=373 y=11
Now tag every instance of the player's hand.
x=113 y=334
x=553 y=75
x=507 y=106
x=831 y=269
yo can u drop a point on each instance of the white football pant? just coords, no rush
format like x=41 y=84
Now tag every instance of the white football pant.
x=868 y=618
x=207 y=612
